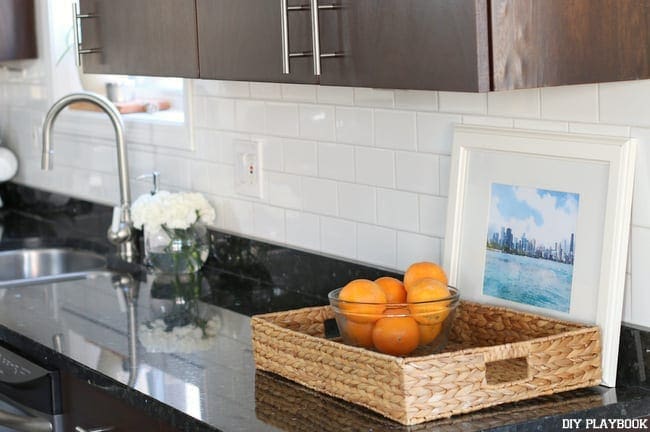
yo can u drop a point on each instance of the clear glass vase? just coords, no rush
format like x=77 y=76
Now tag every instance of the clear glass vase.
x=177 y=251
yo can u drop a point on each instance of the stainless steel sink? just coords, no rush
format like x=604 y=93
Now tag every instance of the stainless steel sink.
x=29 y=266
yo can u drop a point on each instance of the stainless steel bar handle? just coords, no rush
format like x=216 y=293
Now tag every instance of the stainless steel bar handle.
x=76 y=21
x=315 y=35
x=77 y=35
x=24 y=423
x=284 y=21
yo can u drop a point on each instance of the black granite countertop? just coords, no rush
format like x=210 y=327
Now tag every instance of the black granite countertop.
x=194 y=384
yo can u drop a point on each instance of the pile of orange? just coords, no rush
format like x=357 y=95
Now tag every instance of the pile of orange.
x=392 y=316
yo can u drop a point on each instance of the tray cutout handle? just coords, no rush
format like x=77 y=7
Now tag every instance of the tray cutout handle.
x=507 y=364
x=506 y=371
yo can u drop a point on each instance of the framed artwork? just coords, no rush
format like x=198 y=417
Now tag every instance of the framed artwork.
x=539 y=221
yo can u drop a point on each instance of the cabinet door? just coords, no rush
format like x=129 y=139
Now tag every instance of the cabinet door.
x=242 y=40
x=558 y=42
x=90 y=408
x=412 y=44
x=144 y=37
x=17 y=32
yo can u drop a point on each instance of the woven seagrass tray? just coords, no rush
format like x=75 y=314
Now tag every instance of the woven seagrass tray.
x=494 y=355
x=296 y=408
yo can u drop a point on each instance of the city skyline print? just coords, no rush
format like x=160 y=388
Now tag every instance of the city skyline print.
x=531 y=246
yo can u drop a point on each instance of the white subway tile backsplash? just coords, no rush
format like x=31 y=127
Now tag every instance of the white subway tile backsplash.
x=514 y=103
x=599 y=129
x=284 y=190
x=250 y=115
x=627 y=299
x=303 y=229
x=282 y=119
x=374 y=97
x=640 y=201
x=317 y=122
x=488 y=121
x=544 y=125
x=354 y=126
x=228 y=145
x=357 y=202
x=336 y=161
x=203 y=174
x=238 y=216
x=377 y=245
x=395 y=129
x=232 y=89
x=141 y=162
x=214 y=113
x=175 y=172
x=335 y=95
x=319 y=196
x=298 y=92
x=397 y=209
x=445 y=168
x=418 y=172
x=268 y=91
x=207 y=144
x=268 y=222
x=300 y=157
x=436 y=132
x=358 y=173
x=375 y=167
x=416 y=100
x=433 y=215
x=466 y=103
x=625 y=103
x=175 y=137
x=338 y=237
x=640 y=276
x=413 y=248
x=272 y=153
x=570 y=103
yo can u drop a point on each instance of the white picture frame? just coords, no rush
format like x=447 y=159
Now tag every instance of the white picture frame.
x=598 y=169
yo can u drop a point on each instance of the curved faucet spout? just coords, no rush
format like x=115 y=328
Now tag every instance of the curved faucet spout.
x=123 y=236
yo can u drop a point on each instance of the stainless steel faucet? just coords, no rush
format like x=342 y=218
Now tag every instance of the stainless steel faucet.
x=120 y=234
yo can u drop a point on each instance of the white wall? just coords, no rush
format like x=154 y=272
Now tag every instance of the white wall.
x=356 y=173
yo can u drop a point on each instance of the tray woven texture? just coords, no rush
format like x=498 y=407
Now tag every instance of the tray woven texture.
x=295 y=408
x=494 y=355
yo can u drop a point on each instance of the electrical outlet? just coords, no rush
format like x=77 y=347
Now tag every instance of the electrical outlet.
x=248 y=168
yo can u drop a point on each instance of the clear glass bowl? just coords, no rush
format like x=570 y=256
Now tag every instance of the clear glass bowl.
x=177 y=251
x=400 y=329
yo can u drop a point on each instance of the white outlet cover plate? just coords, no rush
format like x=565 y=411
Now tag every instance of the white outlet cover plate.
x=248 y=167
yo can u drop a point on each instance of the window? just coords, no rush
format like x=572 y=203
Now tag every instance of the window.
x=144 y=88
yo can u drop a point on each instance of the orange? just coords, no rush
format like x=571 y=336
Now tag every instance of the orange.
x=397 y=336
x=423 y=270
x=428 y=333
x=370 y=297
x=428 y=290
x=394 y=289
x=358 y=334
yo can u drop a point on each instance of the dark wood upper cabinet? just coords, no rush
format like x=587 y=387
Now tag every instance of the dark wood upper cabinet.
x=412 y=44
x=557 y=42
x=17 y=30
x=453 y=45
x=143 y=37
x=242 y=40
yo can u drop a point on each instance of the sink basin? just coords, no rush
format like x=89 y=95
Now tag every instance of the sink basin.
x=28 y=266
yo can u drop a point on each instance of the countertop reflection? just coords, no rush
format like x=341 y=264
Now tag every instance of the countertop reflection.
x=156 y=336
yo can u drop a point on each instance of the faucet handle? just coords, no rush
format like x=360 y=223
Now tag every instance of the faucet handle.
x=155 y=177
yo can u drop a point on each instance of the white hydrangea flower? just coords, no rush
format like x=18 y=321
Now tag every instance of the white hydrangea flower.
x=174 y=210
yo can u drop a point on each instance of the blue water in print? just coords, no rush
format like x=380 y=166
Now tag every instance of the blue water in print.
x=532 y=281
